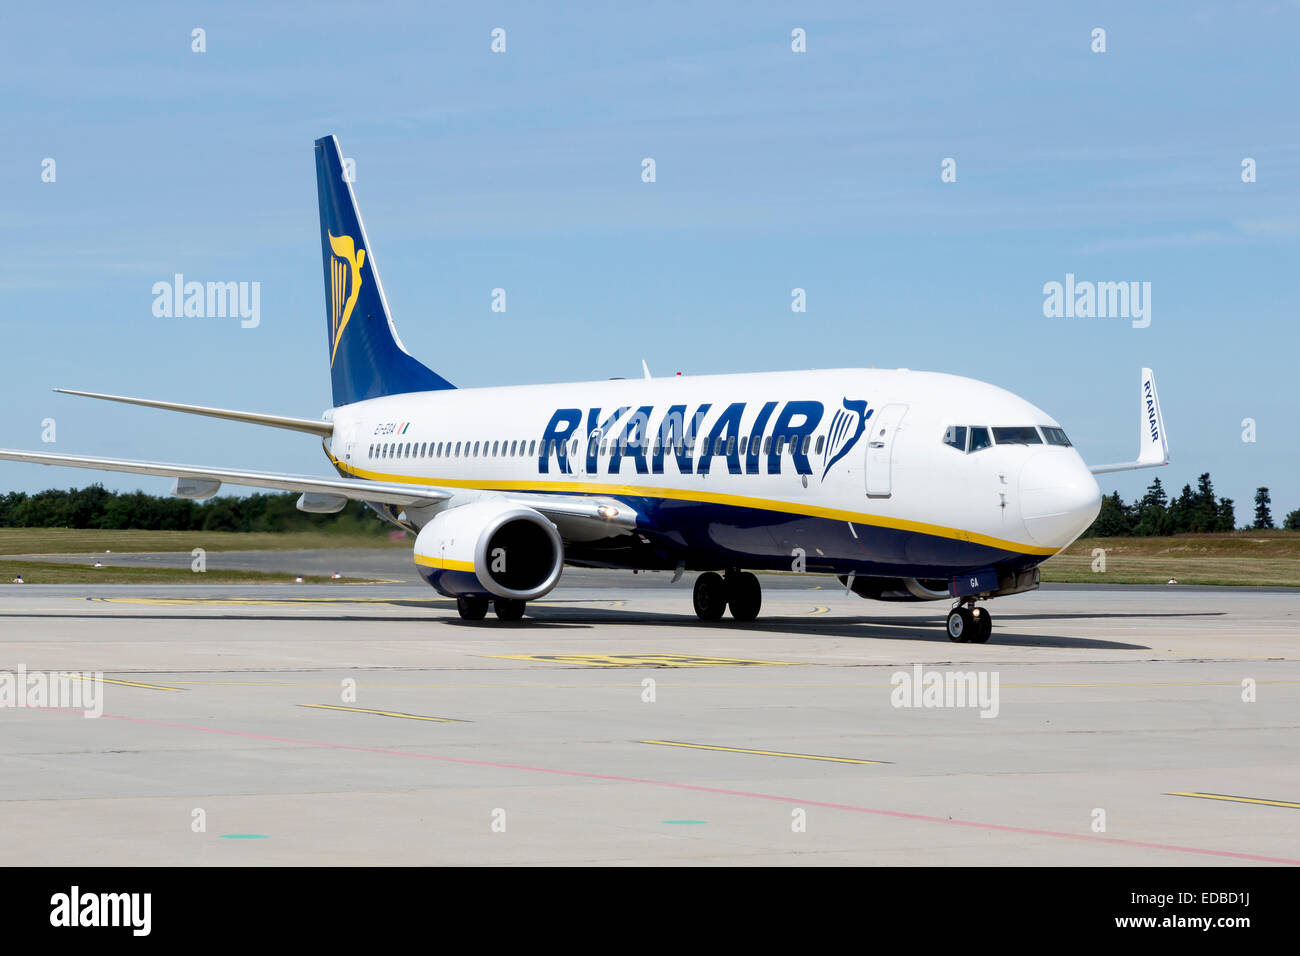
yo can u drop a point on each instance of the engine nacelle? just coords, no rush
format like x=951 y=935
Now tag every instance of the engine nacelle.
x=490 y=548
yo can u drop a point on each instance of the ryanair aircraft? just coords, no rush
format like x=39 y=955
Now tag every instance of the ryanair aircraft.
x=908 y=486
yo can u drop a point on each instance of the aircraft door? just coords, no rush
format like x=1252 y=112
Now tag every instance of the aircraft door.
x=345 y=446
x=882 y=431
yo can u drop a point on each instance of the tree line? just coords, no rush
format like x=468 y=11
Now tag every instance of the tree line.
x=1199 y=511
x=94 y=507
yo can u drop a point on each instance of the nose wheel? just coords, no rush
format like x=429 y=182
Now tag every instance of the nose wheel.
x=969 y=625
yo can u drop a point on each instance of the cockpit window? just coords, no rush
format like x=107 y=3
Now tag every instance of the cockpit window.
x=956 y=437
x=1017 y=435
x=1055 y=436
x=979 y=438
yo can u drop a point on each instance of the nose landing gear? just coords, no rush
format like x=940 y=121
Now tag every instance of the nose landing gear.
x=969 y=624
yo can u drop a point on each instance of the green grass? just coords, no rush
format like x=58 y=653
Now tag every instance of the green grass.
x=82 y=541
x=42 y=572
x=1258 y=558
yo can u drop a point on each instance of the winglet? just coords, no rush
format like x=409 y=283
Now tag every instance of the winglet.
x=1153 y=442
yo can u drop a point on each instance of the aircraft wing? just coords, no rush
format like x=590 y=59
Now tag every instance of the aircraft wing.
x=309 y=425
x=358 y=490
x=573 y=511
x=1153 y=443
x=594 y=513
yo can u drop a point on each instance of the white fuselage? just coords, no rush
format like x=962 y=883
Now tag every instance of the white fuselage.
x=860 y=449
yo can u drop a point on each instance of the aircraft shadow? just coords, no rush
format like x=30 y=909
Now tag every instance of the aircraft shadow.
x=548 y=618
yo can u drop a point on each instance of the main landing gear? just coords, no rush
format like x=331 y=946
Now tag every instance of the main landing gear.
x=969 y=624
x=476 y=608
x=739 y=590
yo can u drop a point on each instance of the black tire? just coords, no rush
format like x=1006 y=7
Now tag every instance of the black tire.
x=744 y=595
x=472 y=608
x=960 y=625
x=983 y=626
x=508 y=609
x=710 y=596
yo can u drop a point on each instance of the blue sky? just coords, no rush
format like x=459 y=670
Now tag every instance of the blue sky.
x=775 y=170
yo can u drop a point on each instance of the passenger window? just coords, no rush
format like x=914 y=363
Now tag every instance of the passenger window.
x=744 y=440
x=767 y=445
x=956 y=437
x=979 y=438
x=807 y=440
x=820 y=440
x=1017 y=435
x=532 y=447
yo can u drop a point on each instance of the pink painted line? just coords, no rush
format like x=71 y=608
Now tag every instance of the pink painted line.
x=897 y=814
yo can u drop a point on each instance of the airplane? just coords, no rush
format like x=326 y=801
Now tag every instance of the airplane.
x=905 y=485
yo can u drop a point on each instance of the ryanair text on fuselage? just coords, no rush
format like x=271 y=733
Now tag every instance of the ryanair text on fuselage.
x=652 y=442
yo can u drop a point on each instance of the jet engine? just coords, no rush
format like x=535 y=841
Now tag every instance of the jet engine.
x=490 y=549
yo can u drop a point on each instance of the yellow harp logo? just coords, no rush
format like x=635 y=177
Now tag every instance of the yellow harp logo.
x=345 y=285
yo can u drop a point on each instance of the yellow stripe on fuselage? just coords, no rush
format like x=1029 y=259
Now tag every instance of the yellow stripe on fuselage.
x=444 y=563
x=705 y=497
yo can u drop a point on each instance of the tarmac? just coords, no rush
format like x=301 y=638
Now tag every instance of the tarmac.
x=367 y=724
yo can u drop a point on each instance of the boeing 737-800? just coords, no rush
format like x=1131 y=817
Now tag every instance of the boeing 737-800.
x=907 y=485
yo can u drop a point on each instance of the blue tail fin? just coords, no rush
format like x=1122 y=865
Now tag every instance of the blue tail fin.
x=367 y=359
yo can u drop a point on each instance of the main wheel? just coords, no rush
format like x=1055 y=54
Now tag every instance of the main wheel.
x=710 y=596
x=983 y=626
x=960 y=625
x=508 y=609
x=744 y=595
x=472 y=608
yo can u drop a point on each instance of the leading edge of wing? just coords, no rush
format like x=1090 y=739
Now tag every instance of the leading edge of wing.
x=311 y=426
x=348 y=488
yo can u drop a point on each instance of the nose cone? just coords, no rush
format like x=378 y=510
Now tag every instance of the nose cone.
x=1059 y=498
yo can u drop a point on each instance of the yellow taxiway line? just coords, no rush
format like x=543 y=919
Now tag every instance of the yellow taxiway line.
x=1232 y=799
x=761 y=753
x=385 y=713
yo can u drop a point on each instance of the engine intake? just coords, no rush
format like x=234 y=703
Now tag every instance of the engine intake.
x=490 y=548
